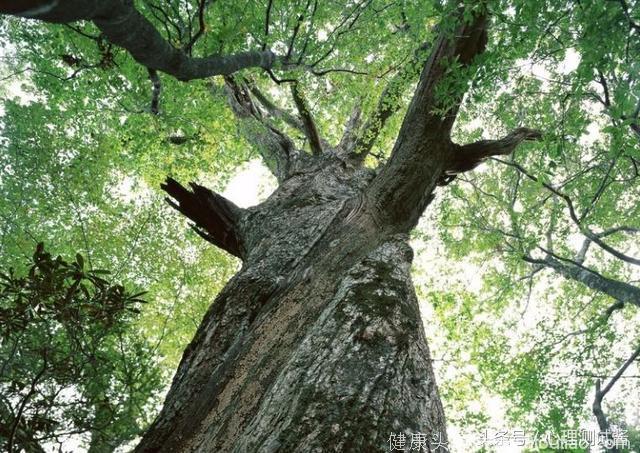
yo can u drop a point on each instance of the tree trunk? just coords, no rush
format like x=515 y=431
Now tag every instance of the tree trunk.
x=317 y=343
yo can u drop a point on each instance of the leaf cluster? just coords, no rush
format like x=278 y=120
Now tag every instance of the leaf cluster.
x=71 y=364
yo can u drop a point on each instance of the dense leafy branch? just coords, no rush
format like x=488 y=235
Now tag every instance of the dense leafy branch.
x=389 y=102
x=126 y=27
x=606 y=100
x=60 y=325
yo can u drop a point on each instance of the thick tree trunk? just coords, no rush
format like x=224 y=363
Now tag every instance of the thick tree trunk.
x=317 y=343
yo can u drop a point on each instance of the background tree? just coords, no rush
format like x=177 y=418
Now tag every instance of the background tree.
x=70 y=366
x=559 y=226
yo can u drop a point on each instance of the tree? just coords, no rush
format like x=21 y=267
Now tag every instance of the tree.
x=325 y=277
x=70 y=367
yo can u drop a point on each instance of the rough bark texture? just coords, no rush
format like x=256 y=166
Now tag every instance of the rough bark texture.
x=316 y=344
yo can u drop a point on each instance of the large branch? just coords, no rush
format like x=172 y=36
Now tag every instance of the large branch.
x=310 y=129
x=216 y=218
x=276 y=149
x=126 y=27
x=620 y=291
x=467 y=157
x=404 y=186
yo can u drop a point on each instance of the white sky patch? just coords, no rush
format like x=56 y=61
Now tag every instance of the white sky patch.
x=591 y=136
x=472 y=125
x=535 y=69
x=575 y=241
x=279 y=47
x=250 y=185
x=570 y=62
x=322 y=35
x=16 y=87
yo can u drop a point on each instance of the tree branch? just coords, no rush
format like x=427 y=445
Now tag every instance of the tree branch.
x=216 y=218
x=202 y=27
x=404 y=186
x=274 y=110
x=389 y=103
x=267 y=20
x=468 y=157
x=582 y=254
x=155 y=93
x=126 y=27
x=618 y=229
x=278 y=112
x=574 y=216
x=621 y=371
x=601 y=418
x=620 y=291
x=310 y=130
x=275 y=147
x=14 y=434
x=24 y=439
x=349 y=136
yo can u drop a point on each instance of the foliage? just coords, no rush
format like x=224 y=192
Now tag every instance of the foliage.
x=554 y=67
x=82 y=156
x=71 y=364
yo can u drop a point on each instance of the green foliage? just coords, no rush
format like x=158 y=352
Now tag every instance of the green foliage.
x=71 y=364
x=81 y=158
x=548 y=66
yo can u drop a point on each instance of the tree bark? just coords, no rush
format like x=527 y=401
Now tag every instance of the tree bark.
x=125 y=26
x=316 y=344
